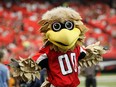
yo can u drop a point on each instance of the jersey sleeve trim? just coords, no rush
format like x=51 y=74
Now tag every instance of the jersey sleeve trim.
x=41 y=58
x=82 y=53
x=82 y=50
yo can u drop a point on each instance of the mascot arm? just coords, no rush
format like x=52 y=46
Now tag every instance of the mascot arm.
x=93 y=55
x=82 y=53
x=27 y=69
x=41 y=59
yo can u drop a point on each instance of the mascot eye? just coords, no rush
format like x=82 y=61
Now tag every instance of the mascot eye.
x=69 y=25
x=56 y=26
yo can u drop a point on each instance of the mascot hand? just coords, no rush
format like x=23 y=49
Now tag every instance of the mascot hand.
x=93 y=55
x=25 y=69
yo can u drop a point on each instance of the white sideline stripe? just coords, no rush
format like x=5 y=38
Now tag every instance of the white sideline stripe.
x=40 y=58
x=99 y=86
x=103 y=86
x=102 y=78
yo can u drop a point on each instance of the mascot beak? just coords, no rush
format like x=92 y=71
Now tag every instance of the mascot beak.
x=64 y=38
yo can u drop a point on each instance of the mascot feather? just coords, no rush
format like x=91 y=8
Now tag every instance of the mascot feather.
x=62 y=53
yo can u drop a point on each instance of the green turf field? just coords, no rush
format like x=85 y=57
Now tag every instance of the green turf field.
x=102 y=81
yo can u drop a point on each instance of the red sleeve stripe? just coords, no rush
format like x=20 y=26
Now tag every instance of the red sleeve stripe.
x=35 y=57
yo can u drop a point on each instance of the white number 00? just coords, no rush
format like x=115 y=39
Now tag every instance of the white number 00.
x=68 y=63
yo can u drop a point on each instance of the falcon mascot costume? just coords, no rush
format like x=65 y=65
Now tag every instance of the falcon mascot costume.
x=62 y=52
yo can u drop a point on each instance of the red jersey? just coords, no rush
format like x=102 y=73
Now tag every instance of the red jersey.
x=62 y=67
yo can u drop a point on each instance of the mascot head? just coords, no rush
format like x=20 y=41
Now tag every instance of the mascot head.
x=63 y=29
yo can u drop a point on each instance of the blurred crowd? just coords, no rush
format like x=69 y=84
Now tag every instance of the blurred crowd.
x=19 y=29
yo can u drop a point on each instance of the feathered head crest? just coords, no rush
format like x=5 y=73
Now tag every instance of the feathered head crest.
x=62 y=14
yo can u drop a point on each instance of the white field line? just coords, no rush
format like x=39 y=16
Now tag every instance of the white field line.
x=106 y=78
x=102 y=78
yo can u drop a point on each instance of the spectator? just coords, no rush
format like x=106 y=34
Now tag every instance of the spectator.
x=4 y=72
x=90 y=74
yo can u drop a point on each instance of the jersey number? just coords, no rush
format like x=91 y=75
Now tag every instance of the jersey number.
x=65 y=63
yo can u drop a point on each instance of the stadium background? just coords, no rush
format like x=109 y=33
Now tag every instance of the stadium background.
x=19 y=31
